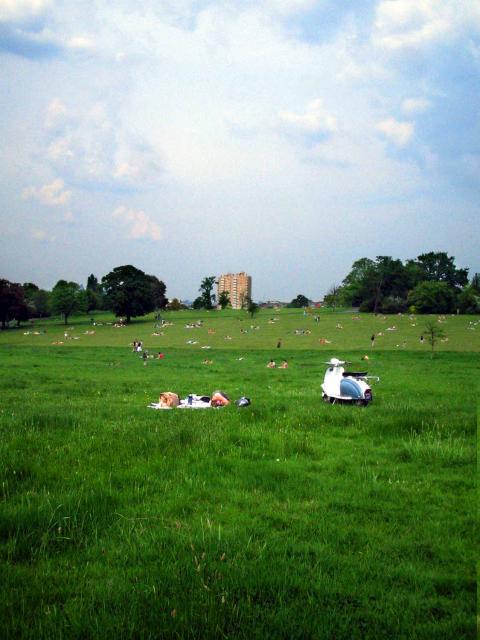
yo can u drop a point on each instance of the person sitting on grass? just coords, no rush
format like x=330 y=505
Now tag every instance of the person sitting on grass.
x=271 y=364
x=284 y=365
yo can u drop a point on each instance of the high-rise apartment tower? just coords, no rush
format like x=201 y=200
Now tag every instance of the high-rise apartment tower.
x=239 y=287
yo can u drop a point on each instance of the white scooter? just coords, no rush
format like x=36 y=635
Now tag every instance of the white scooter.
x=346 y=386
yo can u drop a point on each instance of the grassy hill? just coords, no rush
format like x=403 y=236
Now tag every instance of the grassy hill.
x=290 y=518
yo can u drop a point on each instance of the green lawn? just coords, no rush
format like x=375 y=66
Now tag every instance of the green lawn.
x=290 y=518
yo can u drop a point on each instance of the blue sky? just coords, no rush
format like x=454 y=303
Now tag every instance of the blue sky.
x=285 y=138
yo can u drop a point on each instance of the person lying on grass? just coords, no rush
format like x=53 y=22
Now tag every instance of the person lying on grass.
x=171 y=400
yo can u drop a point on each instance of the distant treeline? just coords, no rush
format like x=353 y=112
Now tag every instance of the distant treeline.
x=431 y=283
x=127 y=291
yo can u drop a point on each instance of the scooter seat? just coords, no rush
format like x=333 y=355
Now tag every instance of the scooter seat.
x=355 y=374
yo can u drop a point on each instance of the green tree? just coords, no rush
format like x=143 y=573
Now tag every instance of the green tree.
x=36 y=299
x=175 y=305
x=252 y=307
x=332 y=297
x=224 y=299
x=439 y=267
x=356 y=284
x=432 y=297
x=41 y=301
x=299 y=302
x=206 y=294
x=369 y=282
x=158 y=292
x=128 y=292
x=67 y=298
x=475 y=283
x=433 y=333
x=94 y=293
x=468 y=300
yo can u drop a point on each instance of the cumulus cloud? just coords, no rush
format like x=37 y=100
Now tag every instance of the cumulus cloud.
x=80 y=42
x=92 y=146
x=138 y=223
x=51 y=194
x=287 y=7
x=315 y=119
x=403 y=24
x=400 y=133
x=18 y=10
x=415 y=105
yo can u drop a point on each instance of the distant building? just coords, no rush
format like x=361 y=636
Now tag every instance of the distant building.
x=239 y=287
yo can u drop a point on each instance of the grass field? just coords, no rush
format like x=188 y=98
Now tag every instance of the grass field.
x=290 y=518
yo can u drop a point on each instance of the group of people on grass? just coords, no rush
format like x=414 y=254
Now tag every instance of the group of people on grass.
x=218 y=399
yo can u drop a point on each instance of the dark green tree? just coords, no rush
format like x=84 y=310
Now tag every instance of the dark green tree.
x=437 y=266
x=128 y=292
x=356 y=285
x=369 y=282
x=94 y=293
x=158 y=292
x=299 y=302
x=41 y=301
x=468 y=301
x=475 y=283
x=12 y=301
x=224 y=299
x=206 y=294
x=67 y=298
x=432 y=297
x=252 y=307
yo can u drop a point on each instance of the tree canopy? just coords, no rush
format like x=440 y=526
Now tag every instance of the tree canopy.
x=431 y=283
x=299 y=302
x=224 y=299
x=67 y=298
x=206 y=298
x=130 y=292
x=12 y=302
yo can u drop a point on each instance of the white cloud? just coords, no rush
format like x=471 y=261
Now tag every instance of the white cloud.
x=14 y=10
x=400 y=133
x=80 y=42
x=139 y=224
x=415 y=105
x=93 y=146
x=56 y=114
x=404 y=24
x=287 y=7
x=316 y=119
x=50 y=194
